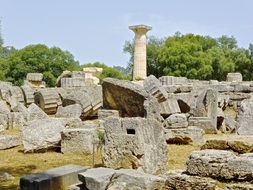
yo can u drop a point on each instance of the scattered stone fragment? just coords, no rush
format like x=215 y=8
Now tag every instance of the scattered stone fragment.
x=96 y=178
x=74 y=111
x=153 y=86
x=236 y=143
x=184 y=181
x=191 y=135
x=43 y=134
x=204 y=123
x=36 y=113
x=176 y=121
x=133 y=179
x=82 y=141
x=234 y=77
x=104 y=113
x=124 y=96
x=221 y=165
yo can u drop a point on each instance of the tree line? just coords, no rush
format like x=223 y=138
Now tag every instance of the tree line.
x=196 y=57
x=189 y=55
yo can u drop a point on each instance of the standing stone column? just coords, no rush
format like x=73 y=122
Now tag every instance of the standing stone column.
x=140 y=60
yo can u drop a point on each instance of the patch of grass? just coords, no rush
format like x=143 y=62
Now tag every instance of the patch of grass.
x=18 y=164
x=178 y=155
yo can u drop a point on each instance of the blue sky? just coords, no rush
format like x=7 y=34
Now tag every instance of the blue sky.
x=96 y=30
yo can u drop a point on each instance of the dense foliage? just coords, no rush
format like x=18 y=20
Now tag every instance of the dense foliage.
x=196 y=57
x=37 y=58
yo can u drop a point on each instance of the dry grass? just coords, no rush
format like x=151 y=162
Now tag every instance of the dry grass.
x=178 y=155
x=18 y=164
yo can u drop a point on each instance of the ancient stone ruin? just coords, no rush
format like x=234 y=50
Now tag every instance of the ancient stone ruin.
x=133 y=122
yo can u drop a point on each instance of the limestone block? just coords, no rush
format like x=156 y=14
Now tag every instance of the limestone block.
x=124 y=96
x=18 y=120
x=55 y=179
x=245 y=117
x=36 y=113
x=184 y=181
x=34 y=76
x=177 y=120
x=43 y=134
x=105 y=113
x=234 y=77
x=5 y=121
x=133 y=179
x=96 y=178
x=171 y=80
x=220 y=164
x=74 y=111
x=236 y=143
x=191 y=135
x=204 y=123
x=4 y=108
x=168 y=107
x=153 y=86
x=80 y=141
x=8 y=141
x=73 y=82
x=135 y=143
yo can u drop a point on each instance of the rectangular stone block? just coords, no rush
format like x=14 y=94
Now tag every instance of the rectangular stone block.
x=53 y=179
x=204 y=123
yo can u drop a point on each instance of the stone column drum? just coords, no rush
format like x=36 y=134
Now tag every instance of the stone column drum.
x=140 y=60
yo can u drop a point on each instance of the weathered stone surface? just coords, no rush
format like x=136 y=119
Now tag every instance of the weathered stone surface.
x=132 y=180
x=204 y=123
x=220 y=164
x=53 y=179
x=234 y=77
x=169 y=106
x=89 y=97
x=7 y=141
x=184 y=181
x=82 y=140
x=175 y=121
x=96 y=178
x=43 y=134
x=171 y=80
x=152 y=109
x=36 y=113
x=237 y=143
x=239 y=186
x=48 y=100
x=135 y=143
x=5 y=120
x=74 y=111
x=104 y=113
x=28 y=94
x=4 y=108
x=245 y=117
x=106 y=178
x=124 y=96
x=153 y=86
x=191 y=135
x=17 y=120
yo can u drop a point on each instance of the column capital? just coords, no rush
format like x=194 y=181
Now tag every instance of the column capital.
x=140 y=28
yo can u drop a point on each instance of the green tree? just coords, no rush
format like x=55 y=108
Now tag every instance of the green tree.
x=38 y=58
